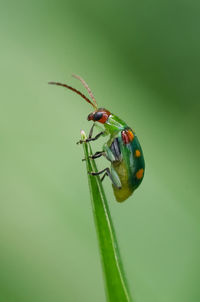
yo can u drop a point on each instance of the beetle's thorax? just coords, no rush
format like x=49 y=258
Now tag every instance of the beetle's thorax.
x=114 y=123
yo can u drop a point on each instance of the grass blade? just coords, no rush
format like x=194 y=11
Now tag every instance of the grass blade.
x=115 y=281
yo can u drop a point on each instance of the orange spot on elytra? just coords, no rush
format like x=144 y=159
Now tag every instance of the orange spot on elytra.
x=140 y=173
x=137 y=153
x=130 y=135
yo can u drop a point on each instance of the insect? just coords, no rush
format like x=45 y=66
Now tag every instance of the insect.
x=122 y=149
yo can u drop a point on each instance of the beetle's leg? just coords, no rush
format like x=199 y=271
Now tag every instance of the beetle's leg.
x=91 y=138
x=99 y=172
x=105 y=174
x=91 y=131
x=90 y=135
x=94 y=138
x=102 y=132
x=95 y=155
x=108 y=173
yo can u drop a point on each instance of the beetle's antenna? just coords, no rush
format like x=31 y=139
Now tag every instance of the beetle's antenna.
x=87 y=87
x=75 y=90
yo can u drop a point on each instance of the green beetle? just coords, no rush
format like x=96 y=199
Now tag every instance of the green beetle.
x=122 y=149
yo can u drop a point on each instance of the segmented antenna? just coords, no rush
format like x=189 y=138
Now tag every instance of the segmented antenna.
x=87 y=87
x=75 y=90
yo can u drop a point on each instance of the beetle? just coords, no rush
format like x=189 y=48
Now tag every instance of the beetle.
x=122 y=149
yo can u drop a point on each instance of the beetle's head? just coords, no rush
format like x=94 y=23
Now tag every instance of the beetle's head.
x=100 y=115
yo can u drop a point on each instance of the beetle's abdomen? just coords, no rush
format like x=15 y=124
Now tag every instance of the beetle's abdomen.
x=126 y=189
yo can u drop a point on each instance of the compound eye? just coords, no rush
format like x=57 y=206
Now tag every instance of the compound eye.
x=98 y=116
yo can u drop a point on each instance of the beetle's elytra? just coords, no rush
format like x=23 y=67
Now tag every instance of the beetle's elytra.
x=122 y=149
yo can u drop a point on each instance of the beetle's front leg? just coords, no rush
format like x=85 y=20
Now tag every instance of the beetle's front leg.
x=90 y=138
x=91 y=131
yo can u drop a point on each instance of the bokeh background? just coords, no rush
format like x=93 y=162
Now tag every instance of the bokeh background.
x=141 y=59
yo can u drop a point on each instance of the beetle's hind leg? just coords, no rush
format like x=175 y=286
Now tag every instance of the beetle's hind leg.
x=107 y=172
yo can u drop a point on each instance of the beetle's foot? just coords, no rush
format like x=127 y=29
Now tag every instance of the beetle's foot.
x=84 y=159
x=92 y=173
x=84 y=141
x=89 y=139
x=80 y=142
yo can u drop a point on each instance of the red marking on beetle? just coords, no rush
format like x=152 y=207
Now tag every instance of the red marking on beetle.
x=127 y=136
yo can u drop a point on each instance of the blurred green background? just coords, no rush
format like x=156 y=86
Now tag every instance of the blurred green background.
x=141 y=60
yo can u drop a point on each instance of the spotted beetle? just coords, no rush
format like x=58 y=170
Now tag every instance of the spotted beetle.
x=122 y=149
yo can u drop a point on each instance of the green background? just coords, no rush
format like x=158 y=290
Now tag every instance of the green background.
x=141 y=60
